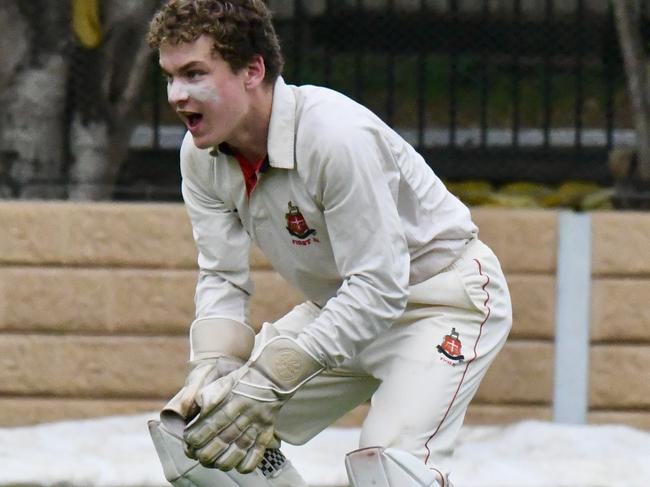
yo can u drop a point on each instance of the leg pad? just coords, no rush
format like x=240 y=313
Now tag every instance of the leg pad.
x=274 y=470
x=387 y=467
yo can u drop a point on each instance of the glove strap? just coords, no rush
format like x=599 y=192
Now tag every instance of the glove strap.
x=215 y=337
x=285 y=364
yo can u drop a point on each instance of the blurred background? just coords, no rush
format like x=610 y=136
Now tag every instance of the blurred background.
x=518 y=103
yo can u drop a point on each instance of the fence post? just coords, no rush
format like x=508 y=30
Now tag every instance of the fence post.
x=572 y=316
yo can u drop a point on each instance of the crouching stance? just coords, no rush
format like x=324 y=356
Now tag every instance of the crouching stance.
x=406 y=306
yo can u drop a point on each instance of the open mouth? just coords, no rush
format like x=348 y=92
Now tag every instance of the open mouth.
x=193 y=120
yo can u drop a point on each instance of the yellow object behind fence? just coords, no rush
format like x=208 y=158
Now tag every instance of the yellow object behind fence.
x=86 y=23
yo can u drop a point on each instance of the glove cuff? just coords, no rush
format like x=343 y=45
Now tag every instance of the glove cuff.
x=215 y=337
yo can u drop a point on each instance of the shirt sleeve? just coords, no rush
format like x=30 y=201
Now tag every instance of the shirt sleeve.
x=224 y=286
x=353 y=171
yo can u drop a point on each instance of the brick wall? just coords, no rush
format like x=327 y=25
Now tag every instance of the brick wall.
x=95 y=302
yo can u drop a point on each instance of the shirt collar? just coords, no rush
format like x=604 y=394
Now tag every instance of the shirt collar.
x=282 y=129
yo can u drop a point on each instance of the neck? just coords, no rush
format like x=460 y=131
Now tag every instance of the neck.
x=252 y=137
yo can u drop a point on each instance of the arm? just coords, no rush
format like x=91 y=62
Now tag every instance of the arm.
x=224 y=287
x=357 y=186
x=220 y=339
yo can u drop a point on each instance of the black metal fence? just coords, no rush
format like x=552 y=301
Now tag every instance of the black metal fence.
x=500 y=90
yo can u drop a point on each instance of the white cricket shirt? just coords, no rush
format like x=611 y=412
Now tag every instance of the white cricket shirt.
x=345 y=210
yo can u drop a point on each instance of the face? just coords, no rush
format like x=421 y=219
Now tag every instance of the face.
x=211 y=100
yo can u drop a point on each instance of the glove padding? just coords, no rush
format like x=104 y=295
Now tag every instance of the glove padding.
x=203 y=372
x=217 y=347
x=238 y=412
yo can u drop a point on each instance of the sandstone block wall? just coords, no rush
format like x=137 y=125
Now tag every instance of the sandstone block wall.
x=96 y=299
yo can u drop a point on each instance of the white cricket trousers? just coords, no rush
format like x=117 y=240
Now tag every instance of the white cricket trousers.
x=421 y=373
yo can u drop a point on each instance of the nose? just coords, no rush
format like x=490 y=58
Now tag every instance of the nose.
x=176 y=92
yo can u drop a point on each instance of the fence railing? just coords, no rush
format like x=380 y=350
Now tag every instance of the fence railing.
x=503 y=93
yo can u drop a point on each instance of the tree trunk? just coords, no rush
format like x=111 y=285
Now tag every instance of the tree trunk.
x=65 y=124
x=33 y=128
x=13 y=45
x=33 y=84
x=636 y=65
x=107 y=84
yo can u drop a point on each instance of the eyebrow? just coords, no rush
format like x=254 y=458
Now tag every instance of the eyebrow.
x=185 y=67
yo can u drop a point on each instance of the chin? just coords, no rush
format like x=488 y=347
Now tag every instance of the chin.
x=204 y=142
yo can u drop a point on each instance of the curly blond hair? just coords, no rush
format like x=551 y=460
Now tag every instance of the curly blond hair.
x=240 y=30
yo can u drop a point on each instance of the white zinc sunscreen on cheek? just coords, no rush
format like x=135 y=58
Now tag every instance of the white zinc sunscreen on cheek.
x=179 y=90
x=203 y=93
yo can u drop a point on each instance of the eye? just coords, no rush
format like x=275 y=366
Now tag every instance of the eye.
x=194 y=74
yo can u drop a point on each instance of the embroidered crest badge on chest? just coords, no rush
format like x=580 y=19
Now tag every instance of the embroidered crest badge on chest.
x=451 y=348
x=297 y=227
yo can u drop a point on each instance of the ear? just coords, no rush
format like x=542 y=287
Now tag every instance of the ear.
x=255 y=71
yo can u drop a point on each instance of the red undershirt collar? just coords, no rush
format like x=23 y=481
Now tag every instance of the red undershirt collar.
x=249 y=170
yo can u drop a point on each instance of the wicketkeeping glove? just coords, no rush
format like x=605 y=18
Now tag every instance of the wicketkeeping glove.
x=202 y=373
x=238 y=412
x=218 y=346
